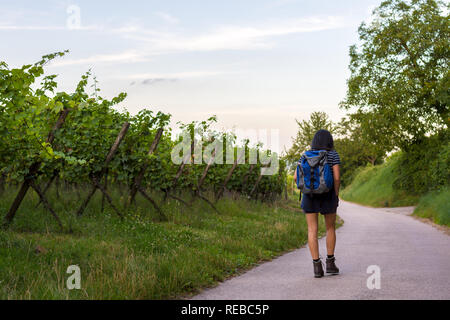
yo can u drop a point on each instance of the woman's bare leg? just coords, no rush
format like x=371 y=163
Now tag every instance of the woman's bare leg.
x=330 y=223
x=312 y=220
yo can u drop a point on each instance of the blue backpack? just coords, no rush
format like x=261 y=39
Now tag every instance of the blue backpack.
x=314 y=174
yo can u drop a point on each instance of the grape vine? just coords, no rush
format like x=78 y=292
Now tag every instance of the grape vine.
x=30 y=106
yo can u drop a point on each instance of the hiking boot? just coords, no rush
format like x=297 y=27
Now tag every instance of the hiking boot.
x=331 y=266
x=318 y=269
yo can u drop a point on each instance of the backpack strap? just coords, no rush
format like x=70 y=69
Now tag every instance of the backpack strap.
x=311 y=181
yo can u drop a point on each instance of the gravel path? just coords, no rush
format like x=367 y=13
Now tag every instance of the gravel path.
x=413 y=257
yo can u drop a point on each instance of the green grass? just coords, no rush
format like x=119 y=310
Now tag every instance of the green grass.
x=435 y=206
x=372 y=186
x=138 y=257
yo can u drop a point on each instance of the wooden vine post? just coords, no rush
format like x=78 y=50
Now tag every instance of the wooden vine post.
x=229 y=175
x=250 y=170
x=105 y=186
x=47 y=186
x=138 y=179
x=202 y=179
x=183 y=164
x=256 y=184
x=258 y=181
x=29 y=179
x=96 y=179
x=186 y=158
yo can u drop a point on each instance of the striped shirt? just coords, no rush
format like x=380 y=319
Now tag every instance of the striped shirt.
x=333 y=158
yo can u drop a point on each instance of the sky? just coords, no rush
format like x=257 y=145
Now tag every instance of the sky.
x=256 y=64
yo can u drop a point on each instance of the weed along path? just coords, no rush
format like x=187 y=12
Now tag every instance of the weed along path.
x=405 y=258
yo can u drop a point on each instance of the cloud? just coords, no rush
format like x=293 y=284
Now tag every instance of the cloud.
x=167 y=17
x=174 y=75
x=280 y=3
x=31 y=28
x=152 y=81
x=234 y=37
x=124 y=57
x=48 y=28
x=155 y=78
x=231 y=37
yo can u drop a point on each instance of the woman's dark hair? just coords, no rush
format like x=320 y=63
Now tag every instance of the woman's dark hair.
x=323 y=140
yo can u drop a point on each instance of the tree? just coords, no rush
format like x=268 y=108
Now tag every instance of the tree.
x=399 y=83
x=357 y=141
x=305 y=134
x=355 y=149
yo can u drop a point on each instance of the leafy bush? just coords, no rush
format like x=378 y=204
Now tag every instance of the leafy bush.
x=425 y=166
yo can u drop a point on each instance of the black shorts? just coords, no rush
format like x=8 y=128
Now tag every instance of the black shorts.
x=324 y=203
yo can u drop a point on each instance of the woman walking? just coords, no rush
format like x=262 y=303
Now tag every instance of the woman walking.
x=324 y=203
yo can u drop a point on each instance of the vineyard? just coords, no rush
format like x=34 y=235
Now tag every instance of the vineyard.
x=80 y=141
x=84 y=184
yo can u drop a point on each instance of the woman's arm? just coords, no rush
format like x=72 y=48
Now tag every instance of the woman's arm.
x=337 y=178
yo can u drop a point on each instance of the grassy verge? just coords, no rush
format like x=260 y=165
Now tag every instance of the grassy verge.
x=138 y=257
x=435 y=206
x=372 y=186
